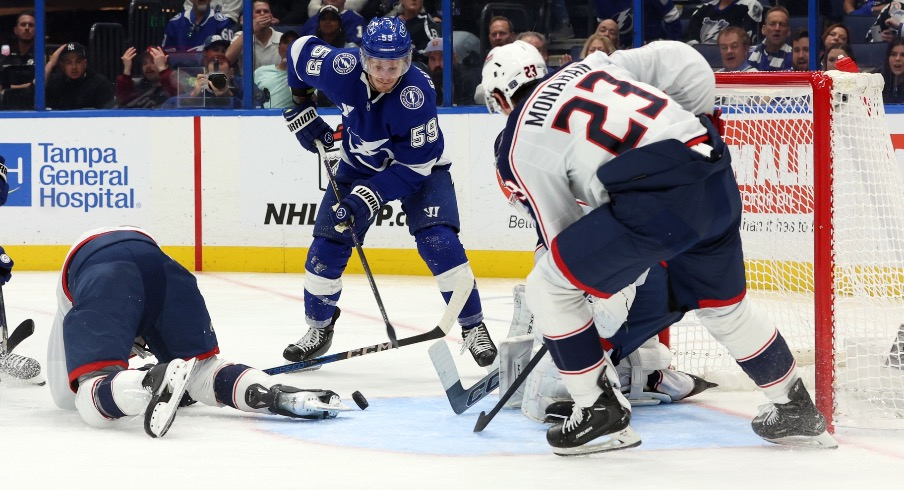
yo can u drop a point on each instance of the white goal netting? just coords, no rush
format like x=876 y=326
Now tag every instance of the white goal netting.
x=775 y=139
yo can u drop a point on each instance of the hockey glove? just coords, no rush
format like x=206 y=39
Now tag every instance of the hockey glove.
x=360 y=206
x=6 y=267
x=308 y=126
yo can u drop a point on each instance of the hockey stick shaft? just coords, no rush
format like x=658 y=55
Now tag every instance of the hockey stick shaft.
x=5 y=333
x=484 y=419
x=390 y=330
x=460 y=295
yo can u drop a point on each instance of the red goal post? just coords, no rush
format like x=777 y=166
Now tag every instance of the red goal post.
x=823 y=233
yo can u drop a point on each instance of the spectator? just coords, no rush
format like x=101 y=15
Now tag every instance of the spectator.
x=800 y=50
x=214 y=46
x=597 y=42
x=734 y=44
x=715 y=15
x=352 y=23
x=832 y=54
x=272 y=79
x=229 y=8
x=864 y=7
x=662 y=20
x=188 y=30
x=774 y=53
x=22 y=44
x=892 y=71
x=538 y=41
x=609 y=28
x=329 y=27
x=422 y=27
x=74 y=86
x=156 y=84
x=17 y=68
x=464 y=82
x=888 y=24
x=500 y=32
x=836 y=33
x=213 y=89
x=265 y=38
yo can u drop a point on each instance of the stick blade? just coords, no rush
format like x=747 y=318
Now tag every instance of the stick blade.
x=22 y=332
x=482 y=421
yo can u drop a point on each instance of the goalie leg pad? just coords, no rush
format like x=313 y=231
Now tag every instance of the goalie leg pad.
x=514 y=354
x=543 y=387
x=522 y=318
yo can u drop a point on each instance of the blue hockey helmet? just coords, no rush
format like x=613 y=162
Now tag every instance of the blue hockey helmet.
x=386 y=38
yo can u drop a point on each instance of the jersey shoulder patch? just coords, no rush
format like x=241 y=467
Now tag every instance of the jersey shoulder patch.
x=412 y=97
x=344 y=63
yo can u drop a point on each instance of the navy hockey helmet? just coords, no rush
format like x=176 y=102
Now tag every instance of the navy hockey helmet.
x=386 y=38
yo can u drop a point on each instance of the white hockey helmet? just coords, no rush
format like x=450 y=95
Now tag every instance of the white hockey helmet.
x=507 y=68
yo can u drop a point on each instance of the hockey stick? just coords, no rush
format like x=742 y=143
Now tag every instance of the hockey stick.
x=484 y=419
x=460 y=398
x=390 y=330
x=456 y=302
x=15 y=365
x=4 y=341
x=22 y=332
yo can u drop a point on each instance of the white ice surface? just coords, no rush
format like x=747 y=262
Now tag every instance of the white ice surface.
x=409 y=437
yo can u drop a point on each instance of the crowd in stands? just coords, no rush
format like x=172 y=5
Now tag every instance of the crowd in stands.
x=199 y=59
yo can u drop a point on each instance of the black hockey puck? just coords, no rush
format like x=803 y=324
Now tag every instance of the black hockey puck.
x=360 y=400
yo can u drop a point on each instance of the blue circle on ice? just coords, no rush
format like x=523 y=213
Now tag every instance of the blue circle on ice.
x=429 y=426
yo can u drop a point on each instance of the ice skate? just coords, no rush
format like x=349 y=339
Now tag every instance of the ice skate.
x=603 y=426
x=295 y=402
x=167 y=383
x=796 y=423
x=477 y=340
x=314 y=343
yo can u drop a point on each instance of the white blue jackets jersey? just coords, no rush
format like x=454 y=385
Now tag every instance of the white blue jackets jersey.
x=587 y=113
x=392 y=140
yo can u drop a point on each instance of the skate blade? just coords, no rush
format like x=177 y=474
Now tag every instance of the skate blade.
x=158 y=421
x=822 y=441
x=624 y=439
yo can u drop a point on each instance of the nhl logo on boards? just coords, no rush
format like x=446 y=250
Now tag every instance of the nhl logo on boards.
x=412 y=98
x=344 y=63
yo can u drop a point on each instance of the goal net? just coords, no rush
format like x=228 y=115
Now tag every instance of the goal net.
x=823 y=233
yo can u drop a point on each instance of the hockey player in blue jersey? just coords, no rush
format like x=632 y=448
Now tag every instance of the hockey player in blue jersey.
x=392 y=149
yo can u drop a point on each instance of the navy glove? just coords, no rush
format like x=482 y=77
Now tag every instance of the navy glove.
x=359 y=206
x=308 y=126
x=6 y=267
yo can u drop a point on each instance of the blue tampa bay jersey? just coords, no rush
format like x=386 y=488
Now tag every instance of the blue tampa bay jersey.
x=392 y=140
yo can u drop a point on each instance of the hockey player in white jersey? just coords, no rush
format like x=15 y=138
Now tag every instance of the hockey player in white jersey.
x=119 y=293
x=392 y=148
x=631 y=136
